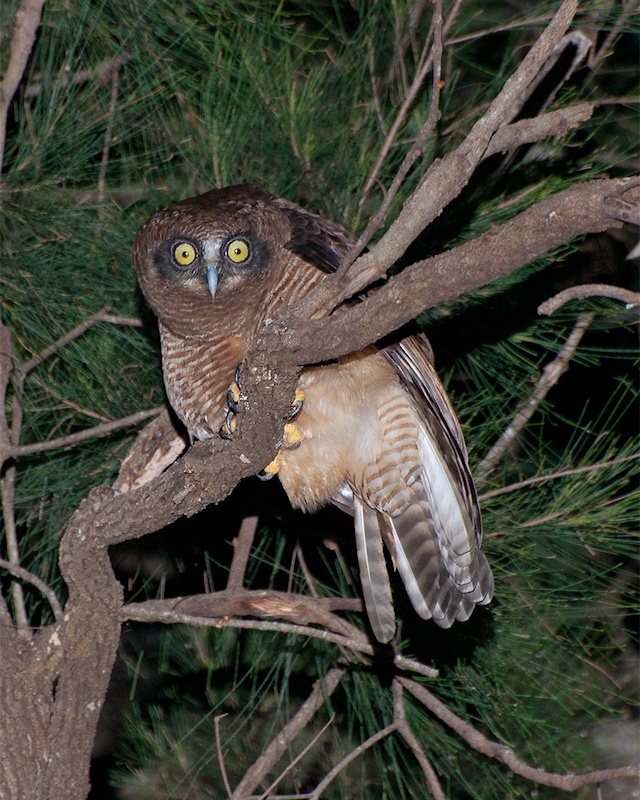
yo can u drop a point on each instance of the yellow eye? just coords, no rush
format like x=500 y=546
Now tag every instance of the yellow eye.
x=184 y=254
x=237 y=251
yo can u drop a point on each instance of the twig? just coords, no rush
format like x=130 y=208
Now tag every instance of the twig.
x=308 y=577
x=487 y=747
x=377 y=220
x=75 y=438
x=99 y=74
x=114 y=319
x=242 y=545
x=108 y=136
x=509 y=26
x=28 y=18
x=7 y=489
x=29 y=577
x=267 y=792
x=444 y=179
x=221 y=764
x=427 y=59
x=629 y=298
x=514 y=487
x=355 y=753
x=404 y=729
x=596 y=56
x=532 y=129
x=551 y=374
x=7 y=480
x=74 y=333
x=323 y=688
x=267 y=604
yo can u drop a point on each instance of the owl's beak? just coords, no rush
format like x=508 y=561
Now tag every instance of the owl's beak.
x=212 y=280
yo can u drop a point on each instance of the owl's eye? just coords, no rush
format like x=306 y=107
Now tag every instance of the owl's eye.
x=184 y=254
x=237 y=251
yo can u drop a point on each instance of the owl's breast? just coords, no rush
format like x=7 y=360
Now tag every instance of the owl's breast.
x=342 y=428
x=197 y=376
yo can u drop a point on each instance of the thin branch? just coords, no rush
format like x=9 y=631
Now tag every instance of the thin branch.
x=355 y=753
x=514 y=487
x=99 y=74
x=28 y=18
x=532 y=129
x=481 y=744
x=404 y=729
x=596 y=56
x=114 y=319
x=7 y=490
x=267 y=792
x=323 y=688
x=29 y=577
x=74 y=333
x=221 y=764
x=446 y=177
x=242 y=545
x=266 y=604
x=7 y=480
x=426 y=61
x=629 y=298
x=529 y=22
x=378 y=219
x=108 y=137
x=551 y=374
x=98 y=430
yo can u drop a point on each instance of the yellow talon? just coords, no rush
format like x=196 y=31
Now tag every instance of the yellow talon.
x=293 y=436
x=233 y=397
x=273 y=466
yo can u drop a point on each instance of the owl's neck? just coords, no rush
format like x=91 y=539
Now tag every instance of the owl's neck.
x=197 y=376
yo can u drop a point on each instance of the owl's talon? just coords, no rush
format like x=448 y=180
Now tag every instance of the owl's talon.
x=293 y=437
x=271 y=469
x=234 y=397
x=229 y=426
x=296 y=406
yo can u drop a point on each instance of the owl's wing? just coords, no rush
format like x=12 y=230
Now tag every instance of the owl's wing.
x=437 y=545
x=412 y=358
x=316 y=240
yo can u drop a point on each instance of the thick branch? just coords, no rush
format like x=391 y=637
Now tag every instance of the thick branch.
x=582 y=209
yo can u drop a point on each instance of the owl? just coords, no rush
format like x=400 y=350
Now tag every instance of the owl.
x=374 y=433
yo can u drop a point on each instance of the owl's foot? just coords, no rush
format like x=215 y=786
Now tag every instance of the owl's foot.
x=293 y=437
x=234 y=407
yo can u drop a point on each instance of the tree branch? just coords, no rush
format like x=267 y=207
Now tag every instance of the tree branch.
x=323 y=688
x=629 y=298
x=445 y=178
x=551 y=374
x=503 y=753
x=28 y=18
x=34 y=580
x=514 y=487
x=585 y=208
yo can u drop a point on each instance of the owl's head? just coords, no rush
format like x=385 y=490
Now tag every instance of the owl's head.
x=232 y=255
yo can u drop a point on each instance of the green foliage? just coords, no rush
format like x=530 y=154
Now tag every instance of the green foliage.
x=298 y=97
